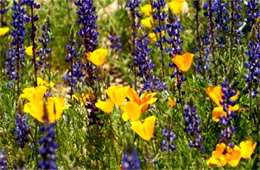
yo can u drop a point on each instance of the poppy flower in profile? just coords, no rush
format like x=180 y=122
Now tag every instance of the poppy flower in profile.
x=147 y=22
x=105 y=106
x=3 y=31
x=147 y=10
x=41 y=82
x=183 y=62
x=29 y=51
x=97 y=57
x=144 y=130
x=81 y=98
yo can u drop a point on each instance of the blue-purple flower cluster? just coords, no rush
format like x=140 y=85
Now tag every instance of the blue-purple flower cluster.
x=192 y=123
x=87 y=19
x=130 y=160
x=225 y=121
x=22 y=129
x=252 y=12
x=75 y=74
x=3 y=10
x=146 y=66
x=169 y=137
x=3 y=160
x=253 y=67
x=132 y=4
x=236 y=20
x=48 y=147
x=15 y=53
x=44 y=52
x=115 y=43
x=159 y=15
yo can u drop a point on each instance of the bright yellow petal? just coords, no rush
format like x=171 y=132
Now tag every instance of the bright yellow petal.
x=152 y=37
x=147 y=22
x=29 y=51
x=234 y=98
x=233 y=108
x=147 y=10
x=215 y=93
x=183 y=62
x=138 y=128
x=176 y=6
x=117 y=94
x=217 y=113
x=149 y=127
x=98 y=56
x=235 y=157
x=125 y=117
x=106 y=106
x=247 y=148
x=3 y=31
x=34 y=94
x=55 y=107
x=133 y=96
x=35 y=109
x=133 y=110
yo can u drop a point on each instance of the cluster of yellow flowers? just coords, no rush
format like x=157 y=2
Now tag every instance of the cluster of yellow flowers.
x=132 y=109
x=226 y=155
x=44 y=110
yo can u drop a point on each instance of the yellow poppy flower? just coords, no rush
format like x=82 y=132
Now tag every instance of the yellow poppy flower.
x=81 y=98
x=106 y=106
x=144 y=130
x=97 y=57
x=152 y=36
x=29 y=51
x=172 y=103
x=217 y=113
x=117 y=94
x=225 y=155
x=3 y=31
x=176 y=6
x=34 y=93
x=147 y=10
x=49 y=111
x=144 y=101
x=147 y=22
x=183 y=62
x=132 y=111
x=41 y=82
x=247 y=148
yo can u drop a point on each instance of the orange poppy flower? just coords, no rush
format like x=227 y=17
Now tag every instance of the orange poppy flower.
x=183 y=62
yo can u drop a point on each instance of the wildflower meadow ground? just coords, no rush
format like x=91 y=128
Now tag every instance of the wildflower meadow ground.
x=129 y=84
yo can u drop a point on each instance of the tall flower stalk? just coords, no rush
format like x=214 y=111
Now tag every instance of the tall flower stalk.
x=160 y=16
x=33 y=18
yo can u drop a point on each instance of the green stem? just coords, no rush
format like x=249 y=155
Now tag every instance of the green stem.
x=35 y=144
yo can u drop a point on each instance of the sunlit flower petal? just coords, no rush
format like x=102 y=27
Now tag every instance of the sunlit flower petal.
x=247 y=148
x=176 y=6
x=147 y=10
x=144 y=130
x=117 y=94
x=29 y=51
x=106 y=106
x=3 y=31
x=132 y=111
x=183 y=62
x=97 y=57
x=147 y=22
x=172 y=103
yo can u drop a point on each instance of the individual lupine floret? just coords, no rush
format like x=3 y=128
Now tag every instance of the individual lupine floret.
x=22 y=129
x=192 y=123
x=169 y=137
x=48 y=147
